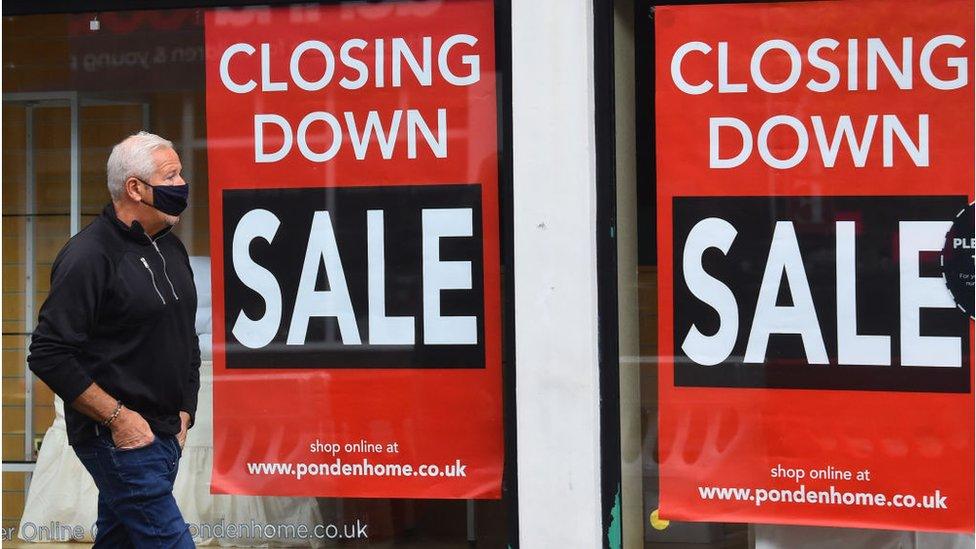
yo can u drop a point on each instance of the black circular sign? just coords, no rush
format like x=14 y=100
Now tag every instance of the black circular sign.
x=957 y=260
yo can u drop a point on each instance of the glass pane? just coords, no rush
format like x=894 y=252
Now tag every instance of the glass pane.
x=146 y=70
x=35 y=227
x=770 y=338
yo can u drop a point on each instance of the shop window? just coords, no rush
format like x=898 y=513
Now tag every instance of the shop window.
x=766 y=409
x=77 y=83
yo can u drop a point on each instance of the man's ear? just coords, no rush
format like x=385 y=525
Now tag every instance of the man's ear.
x=132 y=190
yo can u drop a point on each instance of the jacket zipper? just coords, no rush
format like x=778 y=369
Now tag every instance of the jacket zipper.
x=153 y=277
x=165 y=274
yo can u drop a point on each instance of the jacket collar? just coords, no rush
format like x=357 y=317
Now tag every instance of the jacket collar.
x=135 y=231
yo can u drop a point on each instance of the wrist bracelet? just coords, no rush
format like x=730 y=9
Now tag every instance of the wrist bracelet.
x=115 y=414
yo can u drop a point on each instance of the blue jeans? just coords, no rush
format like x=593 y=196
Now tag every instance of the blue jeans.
x=136 y=507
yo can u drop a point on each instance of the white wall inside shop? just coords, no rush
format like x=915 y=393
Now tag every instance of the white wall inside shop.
x=557 y=378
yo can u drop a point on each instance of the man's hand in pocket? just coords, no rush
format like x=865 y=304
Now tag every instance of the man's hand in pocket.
x=184 y=425
x=130 y=430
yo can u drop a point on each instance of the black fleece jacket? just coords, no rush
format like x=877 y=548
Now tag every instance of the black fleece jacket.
x=120 y=313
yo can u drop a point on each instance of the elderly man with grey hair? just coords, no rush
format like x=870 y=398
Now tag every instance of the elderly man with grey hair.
x=115 y=339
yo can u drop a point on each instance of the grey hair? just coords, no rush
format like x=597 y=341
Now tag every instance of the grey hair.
x=132 y=157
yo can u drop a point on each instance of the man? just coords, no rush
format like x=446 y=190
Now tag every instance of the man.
x=116 y=340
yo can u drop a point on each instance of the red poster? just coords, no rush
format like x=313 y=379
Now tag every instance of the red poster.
x=814 y=171
x=354 y=214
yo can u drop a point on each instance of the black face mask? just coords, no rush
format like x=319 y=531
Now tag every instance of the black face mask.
x=169 y=199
